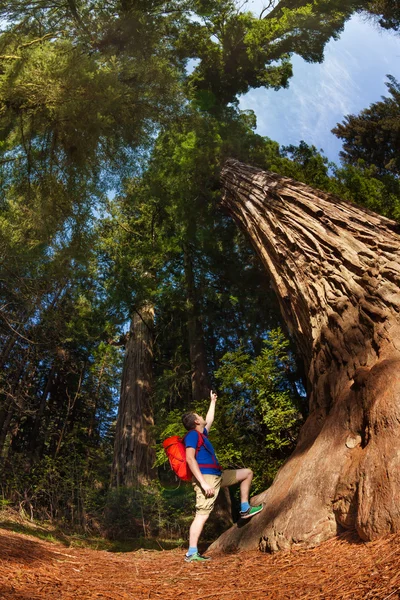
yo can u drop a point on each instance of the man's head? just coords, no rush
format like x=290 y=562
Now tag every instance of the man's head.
x=192 y=420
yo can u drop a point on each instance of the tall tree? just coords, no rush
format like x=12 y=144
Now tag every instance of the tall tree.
x=373 y=136
x=134 y=453
x=335 y=269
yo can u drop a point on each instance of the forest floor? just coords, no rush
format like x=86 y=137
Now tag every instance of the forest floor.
x=343 y=568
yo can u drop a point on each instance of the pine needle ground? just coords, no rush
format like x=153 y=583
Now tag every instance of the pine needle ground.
x=343 y=568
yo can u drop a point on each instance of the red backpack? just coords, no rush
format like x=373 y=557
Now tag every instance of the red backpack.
x=175 y=449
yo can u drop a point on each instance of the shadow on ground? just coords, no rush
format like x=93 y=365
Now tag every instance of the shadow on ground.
x=85 y=541
x=24 y=551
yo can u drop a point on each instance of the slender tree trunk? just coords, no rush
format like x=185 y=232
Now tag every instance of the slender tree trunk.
x=22 y=395
x=8 y=415
x=40 y=412
x=69 y=419
x=336 y=270
x=10 y=404
x=13 y=337
x=134 y=449
x=6 y=403
x=8 y=346
x=197 y=349
x=46 y=436
x=96 y=398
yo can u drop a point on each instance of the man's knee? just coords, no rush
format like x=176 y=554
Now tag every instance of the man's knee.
x=244 y=474
x=201 y=517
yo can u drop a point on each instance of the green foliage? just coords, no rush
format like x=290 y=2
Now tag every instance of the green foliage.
x=386 y=12
x=360 y=183
x=148 y=511
x=259 y=391
x=55 y=490
x=238 y=51
x=373 y=136
x=363 y=185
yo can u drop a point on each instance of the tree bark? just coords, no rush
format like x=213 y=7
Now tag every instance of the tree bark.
x=336 y=270
x=134 y=445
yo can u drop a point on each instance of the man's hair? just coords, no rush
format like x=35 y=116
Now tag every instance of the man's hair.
x=189 y=420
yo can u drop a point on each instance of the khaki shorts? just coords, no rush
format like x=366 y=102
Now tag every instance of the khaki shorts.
x=204 y=504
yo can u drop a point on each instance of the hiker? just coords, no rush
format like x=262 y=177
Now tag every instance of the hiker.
x=208 y=477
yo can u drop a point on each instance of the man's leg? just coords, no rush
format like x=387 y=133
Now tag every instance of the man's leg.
x=204 y=506
x=196 y=528
x=244 y=477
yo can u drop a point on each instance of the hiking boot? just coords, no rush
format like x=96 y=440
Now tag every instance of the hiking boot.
x=250 y=512
x=196 y=557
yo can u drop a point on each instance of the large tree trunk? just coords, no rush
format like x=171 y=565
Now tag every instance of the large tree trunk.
x=335 y=268
x=134 y=449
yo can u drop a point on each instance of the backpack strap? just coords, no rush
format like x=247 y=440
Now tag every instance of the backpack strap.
x=200 y=443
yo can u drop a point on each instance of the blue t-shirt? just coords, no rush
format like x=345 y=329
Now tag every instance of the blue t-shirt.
x=206 y=453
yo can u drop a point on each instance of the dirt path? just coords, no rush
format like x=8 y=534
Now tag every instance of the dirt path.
x=339 y=569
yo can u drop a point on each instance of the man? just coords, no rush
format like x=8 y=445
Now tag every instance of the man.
x=209 y=478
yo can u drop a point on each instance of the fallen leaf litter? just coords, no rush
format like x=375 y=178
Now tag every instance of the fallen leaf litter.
x=341 y=569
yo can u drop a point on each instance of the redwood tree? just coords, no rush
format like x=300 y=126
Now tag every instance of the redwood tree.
x=335 y=268
x=133 y=449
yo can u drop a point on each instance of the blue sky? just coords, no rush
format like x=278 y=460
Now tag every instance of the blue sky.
x=351 y=77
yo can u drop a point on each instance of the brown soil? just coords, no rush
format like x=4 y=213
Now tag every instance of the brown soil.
x=342 y=568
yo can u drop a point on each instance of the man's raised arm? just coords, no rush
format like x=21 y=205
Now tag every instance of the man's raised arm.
x=211 y=411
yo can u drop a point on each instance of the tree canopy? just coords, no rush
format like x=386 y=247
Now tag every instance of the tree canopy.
x=373 y=136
